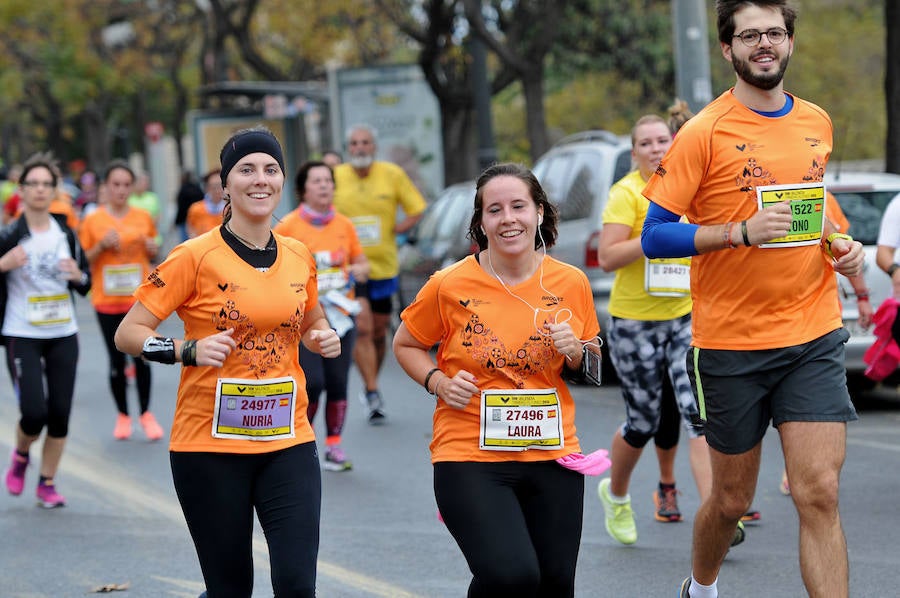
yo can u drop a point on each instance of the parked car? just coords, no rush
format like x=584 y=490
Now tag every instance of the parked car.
x=577 y=173
x=437 y=240
x=863 y=197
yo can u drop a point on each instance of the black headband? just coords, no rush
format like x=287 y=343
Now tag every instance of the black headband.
x=247 y=143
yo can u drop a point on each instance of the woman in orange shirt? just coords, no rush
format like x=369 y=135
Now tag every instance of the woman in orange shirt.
x=206 y=214
x=509 y=321
x=240 y=439
x=119 y=242
x=340 y=261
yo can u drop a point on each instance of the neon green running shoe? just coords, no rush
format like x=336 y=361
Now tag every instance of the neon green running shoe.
x=739 y=534
x=619 y=516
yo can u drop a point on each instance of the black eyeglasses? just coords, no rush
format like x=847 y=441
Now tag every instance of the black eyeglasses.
x=751 y=37
x=46 y=184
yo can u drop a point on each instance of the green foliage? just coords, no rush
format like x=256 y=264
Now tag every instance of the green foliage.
x=508 y=112
x=613 y=61
x=839 y=64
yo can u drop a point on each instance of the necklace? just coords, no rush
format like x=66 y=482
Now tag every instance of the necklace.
x=245 y=241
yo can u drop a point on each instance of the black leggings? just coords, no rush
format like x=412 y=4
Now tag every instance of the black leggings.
x=331 y=376
x=117 y=381
x=517 y=524
x=29 y=361
x=218 y=493
x=669 y=429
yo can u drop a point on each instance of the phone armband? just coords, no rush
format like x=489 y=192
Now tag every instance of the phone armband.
x=591 y=366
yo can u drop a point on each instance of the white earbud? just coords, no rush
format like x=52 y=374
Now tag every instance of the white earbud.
x=540 y=219
x=483 y=232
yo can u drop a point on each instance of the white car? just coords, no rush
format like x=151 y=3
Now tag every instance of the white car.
x=863 y=197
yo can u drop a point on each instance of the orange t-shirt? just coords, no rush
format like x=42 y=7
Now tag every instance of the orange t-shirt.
x=334 y=246
x=212 y=289
x=750 y=298
x=199 y=220
x=486 y=331
x=117 y=273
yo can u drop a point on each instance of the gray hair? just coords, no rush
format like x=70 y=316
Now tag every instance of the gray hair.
x=361 y=127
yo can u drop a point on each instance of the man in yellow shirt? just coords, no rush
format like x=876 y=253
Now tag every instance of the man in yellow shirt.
x=369 y=192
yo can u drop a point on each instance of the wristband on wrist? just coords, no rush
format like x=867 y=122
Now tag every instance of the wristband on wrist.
x=862 y=296
x=892 y=268
x=428 y=376
x=437 y=387
x=189 y=352
x=159 y=349
x=831 y=238
x=744 y=233
x=727 y=243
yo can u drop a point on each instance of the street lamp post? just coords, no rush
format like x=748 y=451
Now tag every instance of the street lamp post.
x=692 y=78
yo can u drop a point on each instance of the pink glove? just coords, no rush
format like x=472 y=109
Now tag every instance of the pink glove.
x=592 y=464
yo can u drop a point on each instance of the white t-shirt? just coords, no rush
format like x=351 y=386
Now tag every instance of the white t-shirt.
x=889 y=233
x=39 y=304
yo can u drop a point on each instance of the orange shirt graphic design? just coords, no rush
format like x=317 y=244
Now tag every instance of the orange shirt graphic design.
x=260 y=351
x=487 y=349
x=212 y=289
x=742 y=297
x=486 y=331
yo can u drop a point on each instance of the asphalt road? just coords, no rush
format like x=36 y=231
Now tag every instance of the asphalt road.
x=380 y=534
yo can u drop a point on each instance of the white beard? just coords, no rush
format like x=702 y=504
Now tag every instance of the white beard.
x=361 y=162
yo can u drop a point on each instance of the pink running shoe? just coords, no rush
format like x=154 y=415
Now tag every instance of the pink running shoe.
x=15 y=475
x=48 y=497
x=152 y=429
x=122 y=431
x=336 y=460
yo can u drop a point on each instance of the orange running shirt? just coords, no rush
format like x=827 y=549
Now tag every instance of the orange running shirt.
x=212 y=289
x=109 y=295
x=750 y=298
x=486 y=331
x=334 y=246
x=199 y=220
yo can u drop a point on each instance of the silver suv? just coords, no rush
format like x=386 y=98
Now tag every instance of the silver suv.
x=863 y=197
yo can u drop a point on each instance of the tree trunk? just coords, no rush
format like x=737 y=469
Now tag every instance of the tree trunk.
x=892 y=85
x=182 y=102
x=96 y=137
x=53 y=125
x=536 y=124
x=460 y=151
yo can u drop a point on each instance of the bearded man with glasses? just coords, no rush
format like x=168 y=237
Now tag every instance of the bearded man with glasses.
x=768 y=340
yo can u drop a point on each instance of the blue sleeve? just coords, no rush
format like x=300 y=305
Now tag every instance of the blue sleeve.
x=664 y=236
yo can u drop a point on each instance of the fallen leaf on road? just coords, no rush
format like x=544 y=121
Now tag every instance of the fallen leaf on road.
x=110 y=587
